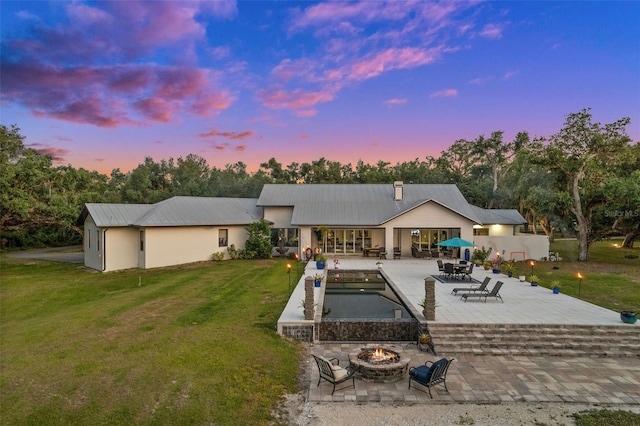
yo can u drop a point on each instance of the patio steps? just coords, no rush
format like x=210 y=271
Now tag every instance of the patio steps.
x=615 y=341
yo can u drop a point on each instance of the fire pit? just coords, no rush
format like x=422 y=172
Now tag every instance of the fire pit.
x=378 y=364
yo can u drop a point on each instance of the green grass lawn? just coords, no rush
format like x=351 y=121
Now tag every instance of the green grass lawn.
x=188 y=345
x=610 y=279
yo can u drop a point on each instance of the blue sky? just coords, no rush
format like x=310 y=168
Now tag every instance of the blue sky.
x=102 y=85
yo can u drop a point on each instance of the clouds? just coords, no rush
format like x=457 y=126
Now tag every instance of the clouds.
x=89 y=67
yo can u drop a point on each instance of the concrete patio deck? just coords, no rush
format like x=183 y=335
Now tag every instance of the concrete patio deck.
x=484 y=379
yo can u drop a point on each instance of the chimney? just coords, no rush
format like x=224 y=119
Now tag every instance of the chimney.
x=397 y=190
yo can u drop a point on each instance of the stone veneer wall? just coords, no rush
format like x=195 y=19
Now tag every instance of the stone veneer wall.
x=340 y=330
x=299 y=332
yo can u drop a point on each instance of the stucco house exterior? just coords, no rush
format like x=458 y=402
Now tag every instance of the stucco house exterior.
x=339 y=219
x=172 y=232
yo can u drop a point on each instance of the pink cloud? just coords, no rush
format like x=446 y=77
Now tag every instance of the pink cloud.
x=240 y=148
x=89 y=84
x=229 y=135
x=294 y=100
x=56 y=154
x=446 y=93
x=491 y=31
x=391 y=59
x=395 y=101
x=509 y=75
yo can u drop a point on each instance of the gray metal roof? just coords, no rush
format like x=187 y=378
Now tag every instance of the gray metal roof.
x=104 y=214
x=178 y=211
x=360 y=204
x=499 y=216
x=193 y=211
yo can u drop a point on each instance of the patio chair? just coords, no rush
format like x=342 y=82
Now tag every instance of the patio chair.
x=430 y=376
x=331 y=371
x=440 y=267
x=482 y=288
x=495 y=292
x=397 y=253
x=467 y=272
x=419 y=254
x=449 y=270
x=383 y=253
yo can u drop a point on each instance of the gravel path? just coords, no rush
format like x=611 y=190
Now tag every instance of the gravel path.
x=440 y=414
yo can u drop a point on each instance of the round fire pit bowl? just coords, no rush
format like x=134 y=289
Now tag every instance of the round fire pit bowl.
x=379 y=364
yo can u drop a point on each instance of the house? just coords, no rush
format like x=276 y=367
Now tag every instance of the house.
x=172 y=232
x=339 y=219
x=345 y=219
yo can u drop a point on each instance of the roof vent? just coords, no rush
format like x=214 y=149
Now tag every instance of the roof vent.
x=397 y=190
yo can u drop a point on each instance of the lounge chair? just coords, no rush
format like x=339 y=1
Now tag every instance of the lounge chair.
x=495 y=292
x=429 y=376
x=482 y=288
x=331 y=371
x=419 y=254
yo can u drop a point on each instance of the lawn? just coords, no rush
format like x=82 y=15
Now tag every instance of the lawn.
x=193 y=345
x=186 y=345
x=611 y=280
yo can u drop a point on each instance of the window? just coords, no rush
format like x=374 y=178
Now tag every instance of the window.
x=480 y=231
x=223 y=237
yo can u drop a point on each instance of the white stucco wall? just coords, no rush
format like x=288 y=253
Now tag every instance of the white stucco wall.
x=280 y=216
x=110 y=249
x=121 y=248
x=174 y=246
x=515 y=247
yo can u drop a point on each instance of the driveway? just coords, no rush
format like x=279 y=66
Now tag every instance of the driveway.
x=72 y=254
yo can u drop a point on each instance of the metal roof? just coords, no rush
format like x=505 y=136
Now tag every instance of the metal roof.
x=360 y=204
x=499 y=216
x=177 y=211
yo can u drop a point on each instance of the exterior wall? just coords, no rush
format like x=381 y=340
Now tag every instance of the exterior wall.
x=121 y=247
x=92 y=245
x=501 y=230
x=178 y=245
x=280 y=216
x=110 y=249
x=429 y=215
x=518 y=247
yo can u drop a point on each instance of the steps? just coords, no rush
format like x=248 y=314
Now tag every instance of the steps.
x=615 y=341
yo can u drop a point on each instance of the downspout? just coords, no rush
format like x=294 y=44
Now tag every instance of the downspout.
x=104 y=249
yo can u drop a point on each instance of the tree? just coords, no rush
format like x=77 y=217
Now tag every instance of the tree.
x=580 y=154
x=258 y=244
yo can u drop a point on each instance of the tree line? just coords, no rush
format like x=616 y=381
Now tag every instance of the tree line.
x=583 y=180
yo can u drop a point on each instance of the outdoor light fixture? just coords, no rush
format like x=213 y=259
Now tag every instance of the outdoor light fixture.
x=532 y=263
x=289 y=274
x=580 y=278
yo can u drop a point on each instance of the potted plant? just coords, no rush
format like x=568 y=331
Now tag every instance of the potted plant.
x=317 y=279
x=629 y=317
x=533 y=279
x=508 y=268
x=555 y=286
x=336 y=263
x=320 y=261
x=424 y=338
x=487 y=265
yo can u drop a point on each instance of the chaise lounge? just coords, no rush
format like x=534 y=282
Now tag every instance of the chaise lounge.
x=482 y=288
x=495 y=292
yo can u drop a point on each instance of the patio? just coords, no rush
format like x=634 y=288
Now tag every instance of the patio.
x=485 y=379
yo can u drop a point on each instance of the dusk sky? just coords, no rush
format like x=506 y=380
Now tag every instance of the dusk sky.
x=102 y=85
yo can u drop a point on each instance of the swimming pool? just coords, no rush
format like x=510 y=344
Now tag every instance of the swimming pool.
x=363 y=305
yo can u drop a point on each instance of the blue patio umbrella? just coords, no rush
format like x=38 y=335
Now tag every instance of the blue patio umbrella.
x=455 y=242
